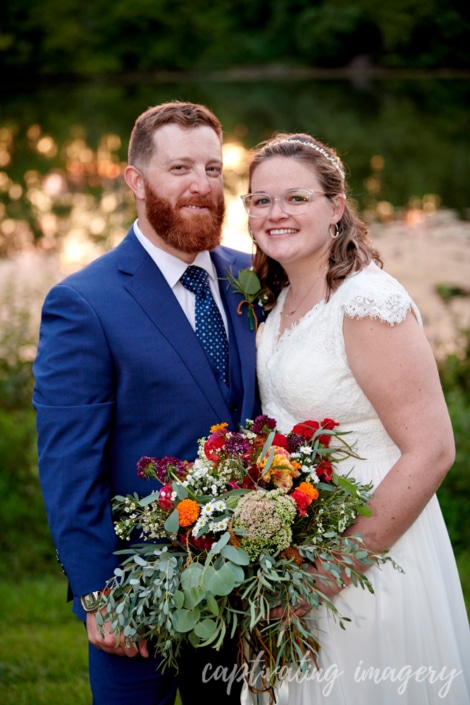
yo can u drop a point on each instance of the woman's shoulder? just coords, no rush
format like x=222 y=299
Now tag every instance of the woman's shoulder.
x=374 y=293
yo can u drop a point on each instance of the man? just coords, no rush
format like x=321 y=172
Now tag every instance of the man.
x=120 y=373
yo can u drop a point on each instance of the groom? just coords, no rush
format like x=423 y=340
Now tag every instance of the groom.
x=121 y=373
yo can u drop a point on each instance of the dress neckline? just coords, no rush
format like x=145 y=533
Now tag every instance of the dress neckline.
x=289 y=329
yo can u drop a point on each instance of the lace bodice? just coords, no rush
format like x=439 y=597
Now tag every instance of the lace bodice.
x=305 y=374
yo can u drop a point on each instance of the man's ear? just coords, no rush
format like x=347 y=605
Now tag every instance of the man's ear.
x=135 y=180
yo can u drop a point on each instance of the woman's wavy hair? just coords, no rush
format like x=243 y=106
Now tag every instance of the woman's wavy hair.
x=351 y=250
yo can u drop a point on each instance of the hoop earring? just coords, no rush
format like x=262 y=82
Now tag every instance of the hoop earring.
x=335 y=233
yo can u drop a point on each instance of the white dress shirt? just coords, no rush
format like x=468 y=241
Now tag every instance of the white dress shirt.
x=173 y=268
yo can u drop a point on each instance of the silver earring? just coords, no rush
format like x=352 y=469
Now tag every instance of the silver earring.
x=335 y=232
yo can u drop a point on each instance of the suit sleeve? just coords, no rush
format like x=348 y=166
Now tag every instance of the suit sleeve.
x=74 y=402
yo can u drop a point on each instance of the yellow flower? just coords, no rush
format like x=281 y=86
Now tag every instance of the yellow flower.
x=188 y=511
x=309 y=490
x=281 y=471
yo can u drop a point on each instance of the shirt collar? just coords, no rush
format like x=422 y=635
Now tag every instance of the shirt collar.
x=170 y=266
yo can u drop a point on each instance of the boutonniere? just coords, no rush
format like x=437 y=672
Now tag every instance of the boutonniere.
x=249 y=286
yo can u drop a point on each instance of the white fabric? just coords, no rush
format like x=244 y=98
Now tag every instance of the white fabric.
x=409 y=643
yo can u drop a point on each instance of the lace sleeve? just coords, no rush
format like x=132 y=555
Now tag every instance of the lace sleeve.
x=379 y=296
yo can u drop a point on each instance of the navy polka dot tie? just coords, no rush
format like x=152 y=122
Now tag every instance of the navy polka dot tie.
x=210 y=327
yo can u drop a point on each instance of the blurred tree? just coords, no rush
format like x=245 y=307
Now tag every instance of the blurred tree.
x=74 y=38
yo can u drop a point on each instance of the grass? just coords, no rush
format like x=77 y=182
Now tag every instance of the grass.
x=43 y=647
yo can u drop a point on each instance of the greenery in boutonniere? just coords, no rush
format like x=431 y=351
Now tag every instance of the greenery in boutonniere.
x=247 y=284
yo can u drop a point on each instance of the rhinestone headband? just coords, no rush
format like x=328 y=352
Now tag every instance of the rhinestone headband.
x=314 y=146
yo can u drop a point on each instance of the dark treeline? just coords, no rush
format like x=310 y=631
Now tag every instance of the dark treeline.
x=72 y=37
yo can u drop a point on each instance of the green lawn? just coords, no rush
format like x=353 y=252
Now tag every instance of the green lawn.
x=43 y=651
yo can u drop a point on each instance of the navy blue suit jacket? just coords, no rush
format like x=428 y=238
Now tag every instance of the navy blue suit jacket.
x=120 y=374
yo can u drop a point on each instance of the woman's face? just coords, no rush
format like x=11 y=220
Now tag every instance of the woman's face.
x=303 y=237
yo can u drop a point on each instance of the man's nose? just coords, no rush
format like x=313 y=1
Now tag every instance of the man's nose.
x=200 y=182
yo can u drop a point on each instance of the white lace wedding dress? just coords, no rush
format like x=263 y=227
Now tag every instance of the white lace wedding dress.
x=409 y=643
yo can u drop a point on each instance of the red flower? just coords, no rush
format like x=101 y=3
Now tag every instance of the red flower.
x=302 y=501
x=253 y=478
x=281 y=441
x=329 y=425
x=325 y=470
x=306 y=429
x=164 y=498
x=201 y=543
x=214 y=443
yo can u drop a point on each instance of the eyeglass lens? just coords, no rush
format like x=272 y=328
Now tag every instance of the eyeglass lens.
x=291 y=201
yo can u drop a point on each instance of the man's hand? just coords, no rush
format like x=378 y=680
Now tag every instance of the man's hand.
x=107 y=641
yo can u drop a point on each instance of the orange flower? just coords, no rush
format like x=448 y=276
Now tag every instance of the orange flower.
x=218 y=427
x=188 y=511
x=309 y=490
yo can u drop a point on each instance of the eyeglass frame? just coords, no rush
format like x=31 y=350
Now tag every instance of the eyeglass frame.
x=280 y=199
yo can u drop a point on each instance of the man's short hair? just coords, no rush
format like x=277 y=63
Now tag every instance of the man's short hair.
x=187 y=115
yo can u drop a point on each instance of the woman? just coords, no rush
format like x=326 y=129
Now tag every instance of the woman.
x=344 y=340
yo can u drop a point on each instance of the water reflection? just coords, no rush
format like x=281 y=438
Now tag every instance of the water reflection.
x=63 y=151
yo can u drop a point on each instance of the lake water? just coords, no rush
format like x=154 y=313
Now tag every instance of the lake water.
x=406 y=144
x=62 y=148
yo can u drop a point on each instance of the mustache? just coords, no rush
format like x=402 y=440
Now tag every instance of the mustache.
x=201 y=201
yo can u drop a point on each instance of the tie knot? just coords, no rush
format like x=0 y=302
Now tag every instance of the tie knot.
x=195 y=279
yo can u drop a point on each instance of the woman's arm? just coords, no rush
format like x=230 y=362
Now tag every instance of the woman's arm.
x=395 y=368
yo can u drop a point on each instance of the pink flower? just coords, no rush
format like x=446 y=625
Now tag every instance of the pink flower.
x=164 y=498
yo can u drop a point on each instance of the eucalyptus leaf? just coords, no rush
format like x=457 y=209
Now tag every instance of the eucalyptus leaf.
x=178 y=598
x=249 y=281
x=191 y=576
x=172 y=523
x=220 y=544
x=193 y=596
x=180 y=490
x=222 y=581
x=238 y=572
x=236 y=555
x=145 y=501
x=212 y=605
x=185 y=620
x=267 y=445
x=206 y=628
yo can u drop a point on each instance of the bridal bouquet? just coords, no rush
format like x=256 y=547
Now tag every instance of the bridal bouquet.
x=237 y=532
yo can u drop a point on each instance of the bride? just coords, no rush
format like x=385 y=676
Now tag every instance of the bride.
x=344 y=340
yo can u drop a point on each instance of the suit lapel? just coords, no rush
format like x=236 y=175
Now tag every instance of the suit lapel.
x=151 y=292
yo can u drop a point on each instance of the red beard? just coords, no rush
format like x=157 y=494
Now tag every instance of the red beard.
x=189 y=234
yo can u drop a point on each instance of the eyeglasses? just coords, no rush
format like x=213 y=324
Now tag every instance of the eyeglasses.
x=294 y=201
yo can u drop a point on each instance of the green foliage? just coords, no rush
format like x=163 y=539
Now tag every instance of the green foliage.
x=85 y=39
x=24 y=540
x=454 y=494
